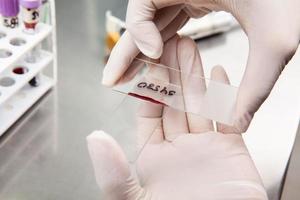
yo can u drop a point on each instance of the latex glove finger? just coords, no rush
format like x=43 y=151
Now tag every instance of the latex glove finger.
x=219 y=74
x=111 y=168
x=140 y=23
x=264 y=67
x=270 y=49
x=117 y=65
x=149 y=124
x=166 y=33
x=120 y=60
x=193 y=88
x=167 y=18
x=174 y=121
x=135 y=66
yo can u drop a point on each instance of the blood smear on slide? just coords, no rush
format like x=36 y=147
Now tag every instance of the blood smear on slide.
x=146 y=98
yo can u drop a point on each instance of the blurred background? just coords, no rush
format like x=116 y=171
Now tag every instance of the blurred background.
x=44 y=155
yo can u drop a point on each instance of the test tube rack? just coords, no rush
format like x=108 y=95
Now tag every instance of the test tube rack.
x=16 y=94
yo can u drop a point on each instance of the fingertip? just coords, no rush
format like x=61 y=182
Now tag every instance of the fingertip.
x=186 y=42
x=119 y=60
x=153 y=50
x=147 y=38
x=218 y=73
x=101 y=142
x=217 y=69
x=96 y=135
x=109 y=162
x=103 y=147
x=110 y=73
x=107 y=81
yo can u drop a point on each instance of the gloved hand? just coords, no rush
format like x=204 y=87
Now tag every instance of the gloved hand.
x=272 y=27
x=184 y=158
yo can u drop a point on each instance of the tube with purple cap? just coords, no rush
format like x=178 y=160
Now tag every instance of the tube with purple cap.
x=30 y=13
x=9 y=10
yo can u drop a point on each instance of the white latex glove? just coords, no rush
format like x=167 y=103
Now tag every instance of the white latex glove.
x=185 y=158
x=272 y=27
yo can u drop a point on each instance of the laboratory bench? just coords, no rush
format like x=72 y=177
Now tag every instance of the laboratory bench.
x=44 y=155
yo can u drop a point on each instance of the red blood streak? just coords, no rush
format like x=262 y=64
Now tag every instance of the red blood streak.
x=146 y=98
x=30 y=25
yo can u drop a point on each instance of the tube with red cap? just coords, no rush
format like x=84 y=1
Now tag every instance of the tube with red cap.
x=30 y=13
x=9 y=10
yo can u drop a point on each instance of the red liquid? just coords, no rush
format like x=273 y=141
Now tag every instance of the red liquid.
x=146 y=98
x=19 y=70
x=30 y=25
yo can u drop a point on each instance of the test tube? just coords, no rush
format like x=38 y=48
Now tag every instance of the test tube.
x=9 y=10
x=30 y=13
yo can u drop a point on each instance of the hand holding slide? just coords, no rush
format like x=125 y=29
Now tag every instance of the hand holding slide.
x=185 y=157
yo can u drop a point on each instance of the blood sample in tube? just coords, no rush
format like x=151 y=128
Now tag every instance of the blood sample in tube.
x=30 y=13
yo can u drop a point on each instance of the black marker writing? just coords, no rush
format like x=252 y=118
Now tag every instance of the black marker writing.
x=35 y=15
x=11 y=22
x=156 y=88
